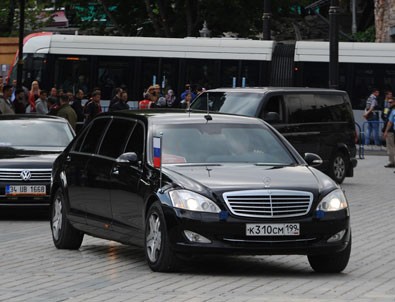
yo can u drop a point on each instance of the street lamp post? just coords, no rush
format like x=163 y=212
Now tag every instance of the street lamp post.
x=20 y=51
x=333 y=45
x=267 y=14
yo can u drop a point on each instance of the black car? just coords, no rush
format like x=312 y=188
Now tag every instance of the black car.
x=312 y=119
x=29 y=144
x=182 y=183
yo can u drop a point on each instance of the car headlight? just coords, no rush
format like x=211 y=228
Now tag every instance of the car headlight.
x=334 y=201
x=191 y=201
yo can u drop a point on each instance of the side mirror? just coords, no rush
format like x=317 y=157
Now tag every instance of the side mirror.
x=313 y=159
x=128 y=158
x=272 y=117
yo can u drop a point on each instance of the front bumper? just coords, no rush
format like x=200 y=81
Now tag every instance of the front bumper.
x=229 y=235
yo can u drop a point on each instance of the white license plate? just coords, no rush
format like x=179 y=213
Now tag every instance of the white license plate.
x=25 y=190
x=276 y=229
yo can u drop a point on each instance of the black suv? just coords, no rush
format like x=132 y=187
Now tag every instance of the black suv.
x=312 y=119
x=182 y=183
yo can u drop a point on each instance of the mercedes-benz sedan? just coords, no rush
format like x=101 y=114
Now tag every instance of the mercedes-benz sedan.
x=182 y=183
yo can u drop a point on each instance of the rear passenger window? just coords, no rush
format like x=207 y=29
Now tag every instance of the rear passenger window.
x=94 y=135
x=116 y=137
x=332 y=108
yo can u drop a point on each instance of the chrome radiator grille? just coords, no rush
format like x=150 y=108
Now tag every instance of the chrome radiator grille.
x=14 y=175
x=269 y=203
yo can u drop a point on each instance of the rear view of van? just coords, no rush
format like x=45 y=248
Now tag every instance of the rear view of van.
x=313 y=120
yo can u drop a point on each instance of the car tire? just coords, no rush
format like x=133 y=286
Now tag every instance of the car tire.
x=338 y=167
x=334 y=263
x=64 y=235
x=159 y=256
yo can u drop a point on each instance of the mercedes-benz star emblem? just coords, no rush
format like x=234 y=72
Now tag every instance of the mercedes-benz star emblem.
x=267 y=181
x=26 y=175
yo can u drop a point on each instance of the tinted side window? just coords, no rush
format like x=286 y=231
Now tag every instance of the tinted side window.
x=116 y=137
x=274 y=104
x=136 y=141
x=241 y=103
x=78 y=142
x=95 y=132
x=332 y=108
x=294 y=108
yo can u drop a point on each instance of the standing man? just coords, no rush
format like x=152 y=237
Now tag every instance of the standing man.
x=77 y=105
x=116 y=98
x=6 y=106
x=20 y=102
x=67 y=112
x=389 y=135
x=41 y=103
x=122 y=103
x=372 y=116
x=93 y=107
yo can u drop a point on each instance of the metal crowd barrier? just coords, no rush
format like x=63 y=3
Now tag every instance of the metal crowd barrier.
x=361 y=138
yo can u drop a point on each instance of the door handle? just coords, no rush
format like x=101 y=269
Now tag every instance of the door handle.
x=115 y=171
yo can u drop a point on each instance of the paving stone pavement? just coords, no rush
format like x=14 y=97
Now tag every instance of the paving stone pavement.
x=32 y=269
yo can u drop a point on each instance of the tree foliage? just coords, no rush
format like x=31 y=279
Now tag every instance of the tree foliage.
x=35 y=16
x=168 y=18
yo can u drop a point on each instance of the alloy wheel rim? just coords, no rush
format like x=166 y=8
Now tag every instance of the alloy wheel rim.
x=57 y=218
x=154 y=238
x=339 y=167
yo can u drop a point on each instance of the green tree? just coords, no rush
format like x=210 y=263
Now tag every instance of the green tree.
x=35 y=17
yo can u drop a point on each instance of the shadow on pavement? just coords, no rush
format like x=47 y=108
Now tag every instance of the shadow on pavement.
x=24 y=213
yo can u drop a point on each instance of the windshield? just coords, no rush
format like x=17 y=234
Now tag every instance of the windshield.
x=34 y=134
x=242 y=103
x=221 y=143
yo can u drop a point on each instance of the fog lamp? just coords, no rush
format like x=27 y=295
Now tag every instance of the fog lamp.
x=195 y=237
x=338 y=236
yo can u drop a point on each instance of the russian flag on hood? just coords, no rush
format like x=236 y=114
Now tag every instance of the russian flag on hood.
x=157 y=145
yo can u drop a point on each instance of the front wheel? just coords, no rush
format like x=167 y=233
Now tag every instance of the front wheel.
x=159 y=256
x=64 y=235
x=338 y=167
x=334 y=263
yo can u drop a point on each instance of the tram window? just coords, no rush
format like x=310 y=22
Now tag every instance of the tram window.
x=34 y=68
x=315 y=75
x=150 y=68
x=364 y=82
x=169 y=74
x=229 y=73
x=112 y=73
x=201 y=72
x=389 y=78
x=250 y=71
x=71 y=73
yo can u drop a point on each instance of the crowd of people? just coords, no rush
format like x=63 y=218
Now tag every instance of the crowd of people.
x=77 y=111
x=372 y=116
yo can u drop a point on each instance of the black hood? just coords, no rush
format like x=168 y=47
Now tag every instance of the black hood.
x=21 y=158
x=233 y=177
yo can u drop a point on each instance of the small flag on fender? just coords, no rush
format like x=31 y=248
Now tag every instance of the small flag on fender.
x=157 y=145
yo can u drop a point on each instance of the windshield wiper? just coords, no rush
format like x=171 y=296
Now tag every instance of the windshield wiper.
x=198 y=165
x=276 y=164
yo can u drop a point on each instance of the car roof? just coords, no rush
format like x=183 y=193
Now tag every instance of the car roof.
x=40 y=117
x=180 y=116
x=264 y=90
